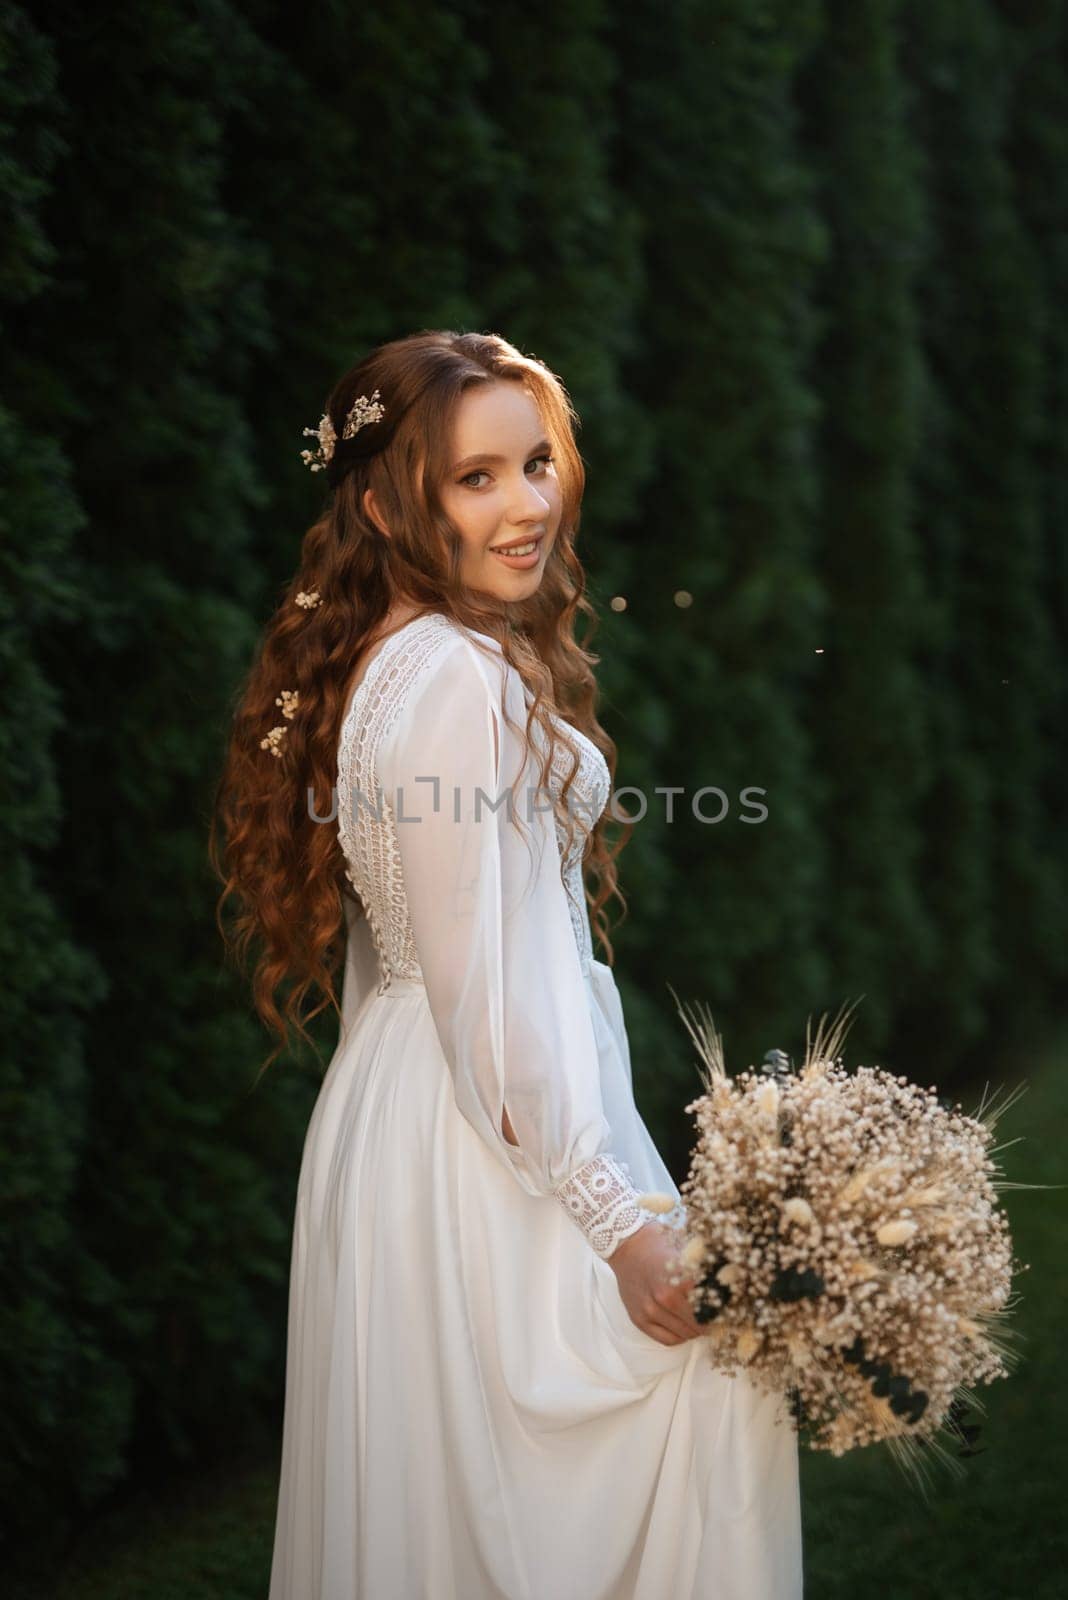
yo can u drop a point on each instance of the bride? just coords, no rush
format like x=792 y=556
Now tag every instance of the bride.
x=494 y=1384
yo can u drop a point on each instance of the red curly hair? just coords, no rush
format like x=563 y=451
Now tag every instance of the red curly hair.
x=284 y=869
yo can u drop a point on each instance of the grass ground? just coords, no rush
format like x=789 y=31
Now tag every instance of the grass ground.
x=997 y=1533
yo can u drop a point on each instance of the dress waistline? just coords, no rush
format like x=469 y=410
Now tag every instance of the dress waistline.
x=399 y=988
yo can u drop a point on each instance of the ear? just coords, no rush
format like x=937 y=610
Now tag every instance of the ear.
x=371 y=510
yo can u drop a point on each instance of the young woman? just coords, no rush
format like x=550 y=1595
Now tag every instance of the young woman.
x=494 y=1387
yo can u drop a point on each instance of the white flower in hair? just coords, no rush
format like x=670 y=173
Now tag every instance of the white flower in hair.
x=319 y=459
x=362 y=410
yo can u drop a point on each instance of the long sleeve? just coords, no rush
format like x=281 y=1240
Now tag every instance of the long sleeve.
x=494 y=939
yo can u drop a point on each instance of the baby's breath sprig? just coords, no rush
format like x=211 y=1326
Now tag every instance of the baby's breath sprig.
x=289 y=699
x=362 y=411
x=318 y=460
x=308 y=599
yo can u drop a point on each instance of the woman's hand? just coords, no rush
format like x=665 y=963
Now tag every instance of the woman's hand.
x=660 y=1308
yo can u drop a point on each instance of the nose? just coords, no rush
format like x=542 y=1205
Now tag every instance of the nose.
x=527 y=503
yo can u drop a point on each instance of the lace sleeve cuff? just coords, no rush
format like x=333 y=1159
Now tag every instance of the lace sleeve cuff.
x=601 y=1200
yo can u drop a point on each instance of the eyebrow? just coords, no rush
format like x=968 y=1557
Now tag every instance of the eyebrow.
x=468 y=461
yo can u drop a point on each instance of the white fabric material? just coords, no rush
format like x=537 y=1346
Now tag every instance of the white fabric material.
x=470 y=1413
x=494 y=937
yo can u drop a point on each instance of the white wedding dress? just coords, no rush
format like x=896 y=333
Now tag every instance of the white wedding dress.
x=470 y=1413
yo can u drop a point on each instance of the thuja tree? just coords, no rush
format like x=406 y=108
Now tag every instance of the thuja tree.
x=139 y=1312
x=989 y=668
x=731 y=241
x=867 y=709
x=64 y=1393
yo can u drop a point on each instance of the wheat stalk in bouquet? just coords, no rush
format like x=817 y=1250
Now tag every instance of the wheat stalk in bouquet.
x=846 y=1245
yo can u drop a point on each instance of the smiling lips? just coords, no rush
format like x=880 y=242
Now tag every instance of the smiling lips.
x=522 y=547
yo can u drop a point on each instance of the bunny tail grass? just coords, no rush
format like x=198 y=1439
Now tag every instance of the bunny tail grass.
x=827 y=1046
x=708 y=1043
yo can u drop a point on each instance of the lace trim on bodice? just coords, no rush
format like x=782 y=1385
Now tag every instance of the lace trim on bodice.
x=587 y=799
x=367 y=828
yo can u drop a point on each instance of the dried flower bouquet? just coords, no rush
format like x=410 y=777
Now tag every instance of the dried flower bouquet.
x=847 y=1245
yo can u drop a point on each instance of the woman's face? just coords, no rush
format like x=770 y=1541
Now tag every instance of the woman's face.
x=501 y=488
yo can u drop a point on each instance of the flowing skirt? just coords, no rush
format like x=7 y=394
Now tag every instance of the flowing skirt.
x=470 y=1413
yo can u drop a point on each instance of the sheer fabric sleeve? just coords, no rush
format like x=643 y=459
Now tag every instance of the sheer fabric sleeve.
x=494 y=940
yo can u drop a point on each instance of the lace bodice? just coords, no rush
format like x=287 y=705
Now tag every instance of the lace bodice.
x=513 y=1016
x=367 y=822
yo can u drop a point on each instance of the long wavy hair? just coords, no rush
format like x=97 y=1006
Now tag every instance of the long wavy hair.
x=282 y=868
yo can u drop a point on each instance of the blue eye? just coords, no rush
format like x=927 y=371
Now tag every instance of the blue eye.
x=466 y=481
